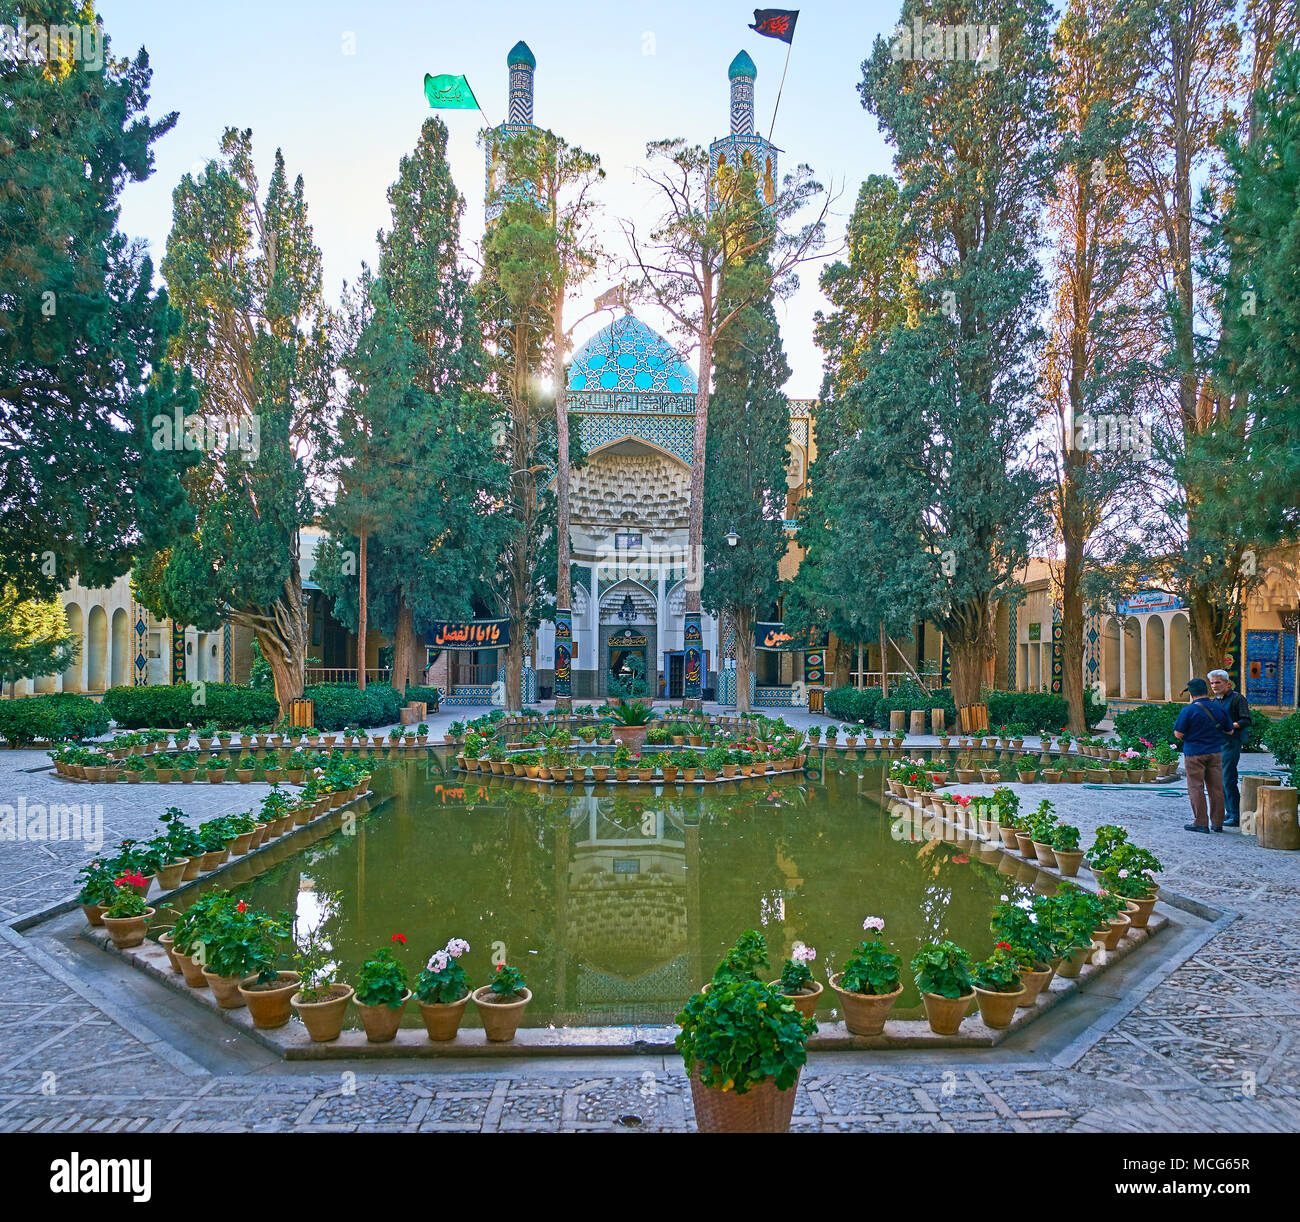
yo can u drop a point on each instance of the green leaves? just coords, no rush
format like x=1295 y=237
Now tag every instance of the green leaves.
x=381 y=980
x=942 y=968
x=873 y=969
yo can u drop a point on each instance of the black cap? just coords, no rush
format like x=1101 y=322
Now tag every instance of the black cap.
x=1197 y=687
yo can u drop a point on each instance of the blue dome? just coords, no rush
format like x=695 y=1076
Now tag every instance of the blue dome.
x=521 y=54
x=742 y=65
x=628 y=356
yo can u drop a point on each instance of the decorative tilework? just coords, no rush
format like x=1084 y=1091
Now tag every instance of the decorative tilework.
x=1056 y=652
x=1091 y=650
x=728 y=636
x=227 y=655
x=1012 y=615
x=140 y=631
x=628 y=358
x=676 y=434
x=799 y=431
x=178 y=652
x=775 y=698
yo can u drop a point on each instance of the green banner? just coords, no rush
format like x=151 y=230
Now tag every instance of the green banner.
x=449 y=93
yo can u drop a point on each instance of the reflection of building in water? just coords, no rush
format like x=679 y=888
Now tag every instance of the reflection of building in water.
x=625 y=905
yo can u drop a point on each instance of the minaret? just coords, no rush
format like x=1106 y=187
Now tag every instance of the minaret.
x=744 y=147
x=522 y=65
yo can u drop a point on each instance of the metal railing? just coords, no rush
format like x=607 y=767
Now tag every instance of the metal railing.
x=871 y=678
x=347 y=674
x=467 y=675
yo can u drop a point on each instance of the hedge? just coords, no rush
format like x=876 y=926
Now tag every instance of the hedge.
x=1283 y=739
x=338 y=705
x=227 y=705
x=1040 y=711
x=423 y=695
x=52 y=718
x=1154 y=722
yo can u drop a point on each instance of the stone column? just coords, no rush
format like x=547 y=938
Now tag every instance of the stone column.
x=693 y=641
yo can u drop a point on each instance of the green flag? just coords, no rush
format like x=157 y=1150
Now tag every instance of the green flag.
x=449 y=93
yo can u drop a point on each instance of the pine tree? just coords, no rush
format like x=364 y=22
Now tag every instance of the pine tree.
x=83 y=331
x=745 y=478
x=245 y=276
x=940 y=501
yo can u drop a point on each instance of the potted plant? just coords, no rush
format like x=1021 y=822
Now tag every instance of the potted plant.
x=381 y=993
x=713 y=760
x=796 y=982
x=743 y=1045
x=501 y=1003
x=125 y=918
x=97 y=890
x=1129 y=873
x=216 y=769
x=186 y=766
x=998 y=986
x=321 y=999
x=688 y=760
x=267 y=992
x=245 y=768
x=1032 y=942
x=442 y=991
x=1065 y=848
x=622 y=761
x=238 y=941
x=942 y=972
x=869 y=985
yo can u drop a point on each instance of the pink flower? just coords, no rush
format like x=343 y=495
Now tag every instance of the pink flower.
x=876 y=923
x=457 y=947
x=803 y=954
x=438 y=961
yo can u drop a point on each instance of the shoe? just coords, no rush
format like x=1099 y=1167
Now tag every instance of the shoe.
x=1216 y=829
x=1195 y=827
x=1232 y=823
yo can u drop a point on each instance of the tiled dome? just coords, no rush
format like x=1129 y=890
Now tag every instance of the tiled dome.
x=628 y=356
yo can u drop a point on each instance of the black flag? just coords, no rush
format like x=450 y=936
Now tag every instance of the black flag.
x=776 y=22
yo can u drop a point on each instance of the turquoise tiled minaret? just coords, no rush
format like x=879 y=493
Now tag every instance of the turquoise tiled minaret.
x=743 y=147
x=522 y=65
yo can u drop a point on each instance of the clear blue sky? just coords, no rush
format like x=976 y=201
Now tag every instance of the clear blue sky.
x=610 y=77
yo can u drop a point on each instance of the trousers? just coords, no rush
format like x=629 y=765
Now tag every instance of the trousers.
x=1231 y=790
x=1205 y=775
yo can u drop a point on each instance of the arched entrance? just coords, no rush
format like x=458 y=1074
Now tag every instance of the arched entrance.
x=1110 y=656
x=1180 y=655
x=76 y=626
x=1155 y=676
x=121 y=648
x=97 y=650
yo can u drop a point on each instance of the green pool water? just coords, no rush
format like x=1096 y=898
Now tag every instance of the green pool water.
x=617 y=902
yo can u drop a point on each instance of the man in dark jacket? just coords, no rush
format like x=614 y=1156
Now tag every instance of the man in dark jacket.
x=1233 y=703
x=1202 y=727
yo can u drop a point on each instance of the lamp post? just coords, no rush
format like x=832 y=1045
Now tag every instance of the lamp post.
x=732 y=537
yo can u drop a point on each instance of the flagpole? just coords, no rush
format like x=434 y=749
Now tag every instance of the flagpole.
x=788 y=48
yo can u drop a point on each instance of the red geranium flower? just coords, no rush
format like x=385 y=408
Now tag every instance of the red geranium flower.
x=1004 y=946
x=961 y=859
x=241 y=907
x=500 y=966
x=400 y=937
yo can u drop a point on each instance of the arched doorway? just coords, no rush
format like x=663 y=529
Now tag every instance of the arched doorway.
x=1180 y=655
x=1155 y=676
x=1110 y=656
x=97 y=649
x=121 y=648
x=76 y=626
x=1132 y=681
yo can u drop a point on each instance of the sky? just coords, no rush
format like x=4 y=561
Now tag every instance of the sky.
x=339 y=87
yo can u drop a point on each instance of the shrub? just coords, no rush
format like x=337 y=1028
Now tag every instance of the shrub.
x=1283 y=739
x=341 y=704
x=854 y=705
x=226 y=705
x=52 y=718
x=424 y=695
x=909 y=696
x=1154 y=722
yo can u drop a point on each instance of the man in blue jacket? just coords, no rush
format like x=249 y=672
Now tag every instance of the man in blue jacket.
x=1203 y=727
x=1233 y=703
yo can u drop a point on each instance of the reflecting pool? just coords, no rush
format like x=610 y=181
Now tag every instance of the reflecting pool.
x=616 y=902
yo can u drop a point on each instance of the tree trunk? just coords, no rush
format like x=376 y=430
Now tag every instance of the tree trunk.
x=744 y=653
x=695 y=533
x=514 y=667
x=1210 y=628
x=408 y=651
x=563 y=593
x=837 y=661
x=361 y=612
x=967 y=632
x=281 y=632
x=1072 y=687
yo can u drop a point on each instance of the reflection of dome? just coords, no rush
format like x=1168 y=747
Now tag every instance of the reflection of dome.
x=628 y=356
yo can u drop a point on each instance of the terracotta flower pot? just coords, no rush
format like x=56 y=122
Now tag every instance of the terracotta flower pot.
x=1035 y=983
x=500 y=1019
x=1068 y=861
x=998 y=1009
x=1025 y=845
x=193 y=972
x=1139 y=919
x=1045 y=854
x=165 y=941
x=1115 y=929
x=761 y=1109
x=225 y=989
x=945 y=1014
x=442 y=1019
x=323 y=1019
x=805 y=1001
x=95 y=914
x=128 y=931
x=170 y=875
x=381 y=1022
x=864 y=1013
x=240 y=844
x=1072 y=963
x=269 y=1003
x=1008 y=835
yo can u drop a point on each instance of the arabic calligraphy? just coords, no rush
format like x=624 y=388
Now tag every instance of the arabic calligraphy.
x=475 y=634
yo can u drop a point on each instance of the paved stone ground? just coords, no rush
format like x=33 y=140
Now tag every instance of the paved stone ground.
x=1215 y=1045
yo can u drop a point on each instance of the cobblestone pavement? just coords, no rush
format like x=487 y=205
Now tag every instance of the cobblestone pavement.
x=1215 y=1045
